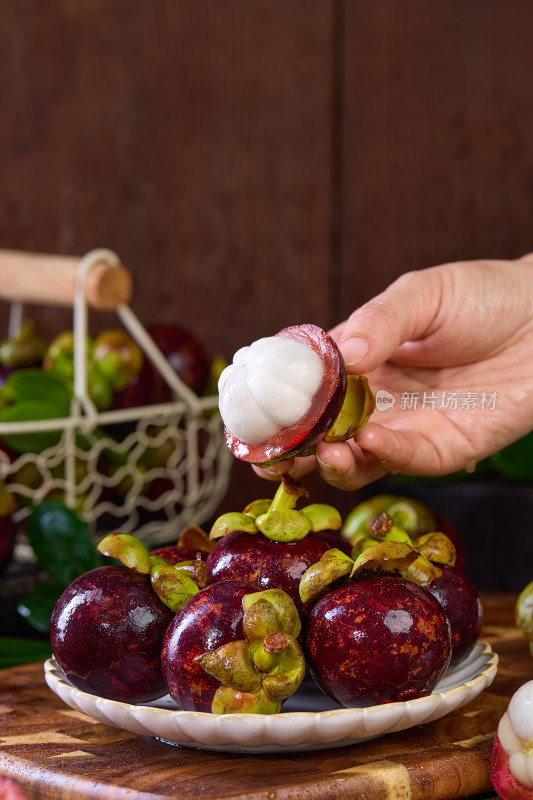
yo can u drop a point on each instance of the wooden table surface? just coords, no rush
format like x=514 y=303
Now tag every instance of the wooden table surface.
x=55 y=752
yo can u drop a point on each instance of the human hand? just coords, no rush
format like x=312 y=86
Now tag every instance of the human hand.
x=456 y=335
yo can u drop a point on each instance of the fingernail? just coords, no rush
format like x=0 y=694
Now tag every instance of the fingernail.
x=327 y=468
x=354 y=351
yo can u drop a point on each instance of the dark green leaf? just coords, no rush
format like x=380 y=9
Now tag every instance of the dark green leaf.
x=37 y=606
x=61 y=542
x=14 y=651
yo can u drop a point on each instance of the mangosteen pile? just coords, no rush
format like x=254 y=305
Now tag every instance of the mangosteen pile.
x=375 y=610
x=231 y=623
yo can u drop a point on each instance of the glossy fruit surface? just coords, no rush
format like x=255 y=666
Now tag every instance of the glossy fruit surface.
x=106 y=634
x=377 y=640
x=266 y=563
x=460 y=600
x=174 y=553
x=210 y=619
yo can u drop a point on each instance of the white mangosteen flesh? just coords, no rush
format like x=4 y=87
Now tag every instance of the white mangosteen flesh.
x=270 y=385
x=515 y=732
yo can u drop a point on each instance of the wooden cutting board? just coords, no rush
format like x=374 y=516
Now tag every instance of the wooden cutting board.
x=55 y=752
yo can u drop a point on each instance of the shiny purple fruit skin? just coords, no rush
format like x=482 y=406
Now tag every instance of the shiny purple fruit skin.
x=461 y=602
x=106 y=634
x=268 y=564
x=211 y=618
x=377 y=640
x=175 y=554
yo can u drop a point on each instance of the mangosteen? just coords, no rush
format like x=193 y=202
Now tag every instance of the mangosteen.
x=376 y=640
x=460 y=600
x=192 y=542
x=272 y=543
x=436 y=569
x=285 y=393
x=107 y=627
x=106 y=633
x=234 y=649
x=512 y=751
x=410 y=515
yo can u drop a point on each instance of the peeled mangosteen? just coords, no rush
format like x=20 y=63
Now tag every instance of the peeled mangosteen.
x=234 y=649
x=376 y=640
x=285 y=393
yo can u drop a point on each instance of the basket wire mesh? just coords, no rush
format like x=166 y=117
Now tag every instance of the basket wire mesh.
x=169 y=466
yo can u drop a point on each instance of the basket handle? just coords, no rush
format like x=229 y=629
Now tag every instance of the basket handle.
x=51 y=280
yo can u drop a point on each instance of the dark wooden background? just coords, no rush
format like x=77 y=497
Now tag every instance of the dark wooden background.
x=259 y=163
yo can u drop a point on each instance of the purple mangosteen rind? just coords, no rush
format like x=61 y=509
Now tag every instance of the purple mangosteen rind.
x=264 y=562
x=106 y=634
x=301 y=438
x=377 y=640
x=461 y=602
x=210 y=619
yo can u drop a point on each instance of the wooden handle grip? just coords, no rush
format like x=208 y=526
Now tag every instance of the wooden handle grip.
x=51 y=280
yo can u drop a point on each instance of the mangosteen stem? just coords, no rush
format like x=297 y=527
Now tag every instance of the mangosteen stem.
x=287 y=494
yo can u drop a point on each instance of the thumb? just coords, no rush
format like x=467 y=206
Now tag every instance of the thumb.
x=407 y=310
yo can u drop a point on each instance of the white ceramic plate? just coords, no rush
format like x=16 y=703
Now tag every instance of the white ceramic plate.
x=310 y=721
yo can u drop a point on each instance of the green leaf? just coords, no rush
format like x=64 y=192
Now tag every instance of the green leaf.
x=37 y=606
x=34 y=384
x=30 y=411
x=61 y=542
x=14 y=651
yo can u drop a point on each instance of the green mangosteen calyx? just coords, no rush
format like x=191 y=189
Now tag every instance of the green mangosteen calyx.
x=259 y=672
x=279 y=519
x=357 y=407
x=174 y=584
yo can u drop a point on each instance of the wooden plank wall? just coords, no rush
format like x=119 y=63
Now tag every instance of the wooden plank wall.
x=258 y=163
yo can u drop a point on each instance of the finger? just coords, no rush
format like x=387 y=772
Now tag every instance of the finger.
x=345 y=466
x=275 y=471
x=405 y=311
x=412 y=452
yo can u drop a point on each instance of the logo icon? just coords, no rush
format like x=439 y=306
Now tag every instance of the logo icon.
x=384 y=400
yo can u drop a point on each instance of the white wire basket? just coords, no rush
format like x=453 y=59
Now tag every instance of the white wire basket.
x=105 y=478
